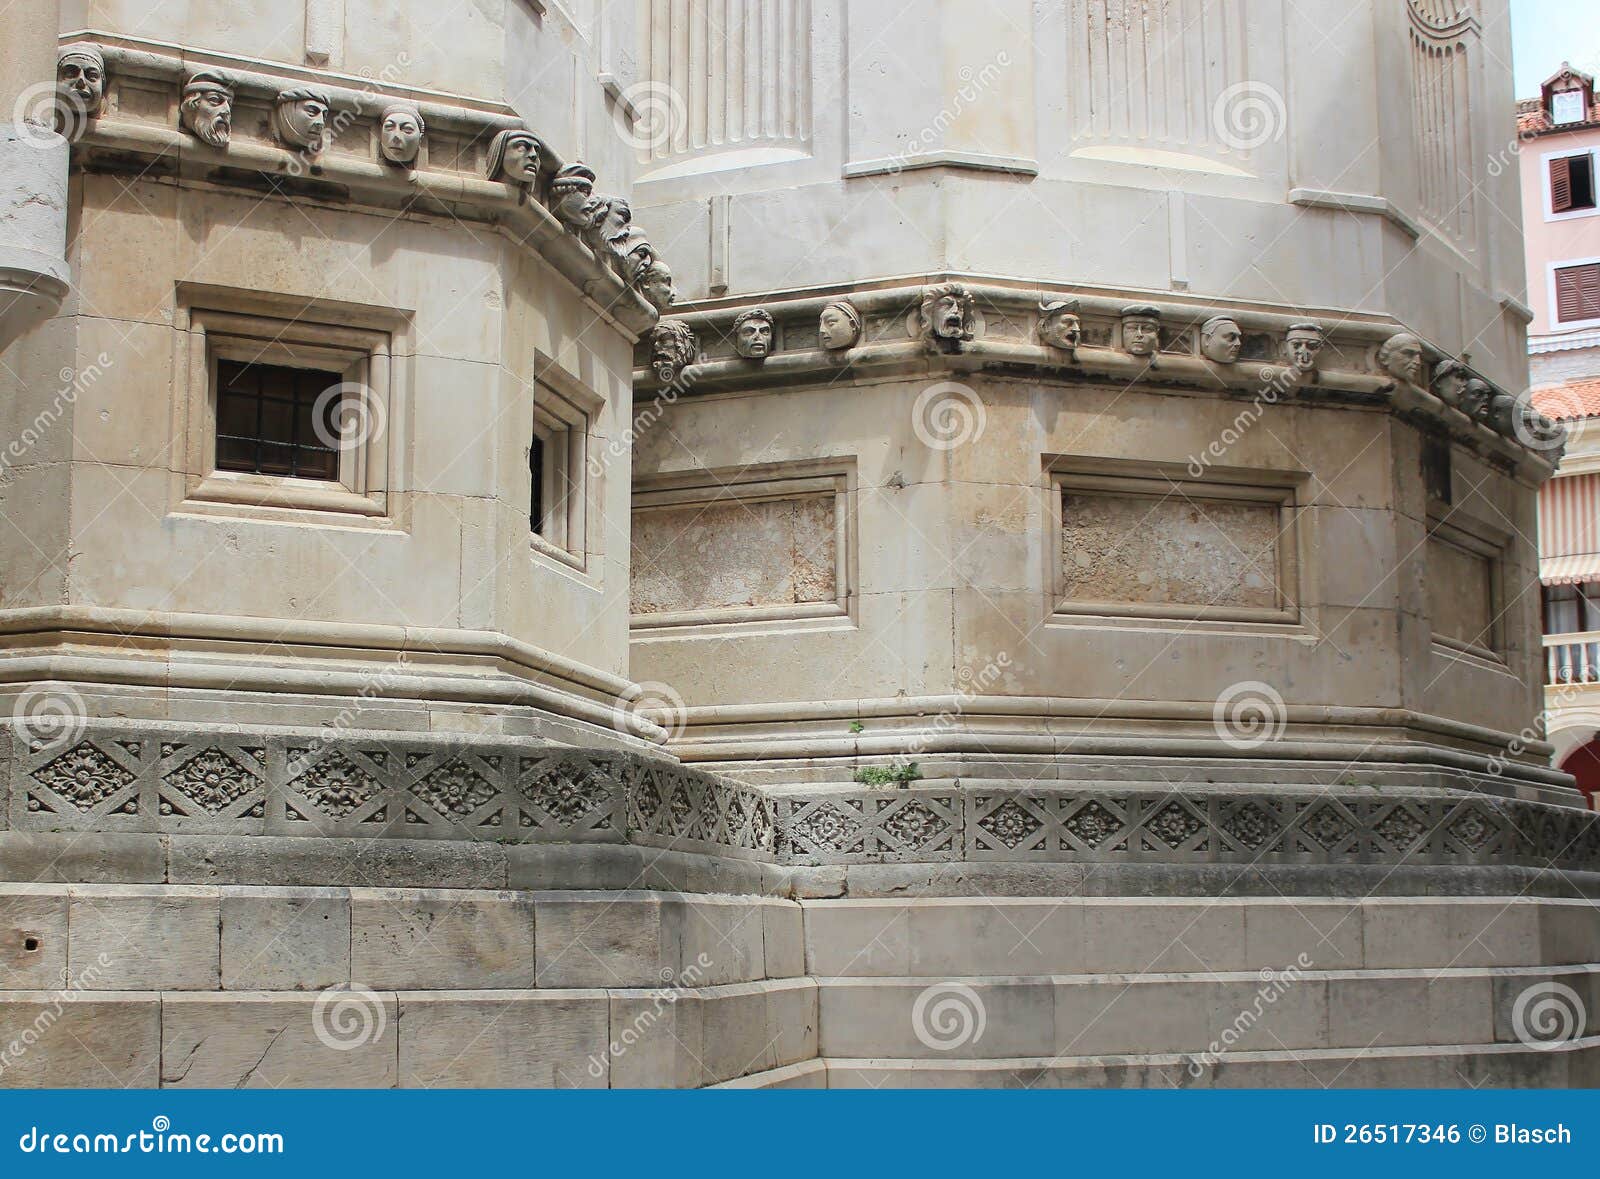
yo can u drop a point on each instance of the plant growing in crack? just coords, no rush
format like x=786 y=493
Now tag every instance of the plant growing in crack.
x=894 y=774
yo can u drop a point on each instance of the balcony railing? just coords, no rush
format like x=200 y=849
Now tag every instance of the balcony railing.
x=1572 y=658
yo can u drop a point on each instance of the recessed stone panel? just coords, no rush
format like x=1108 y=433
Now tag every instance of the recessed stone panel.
x=735 y=553
x=1172 y=550
x=1460 y=593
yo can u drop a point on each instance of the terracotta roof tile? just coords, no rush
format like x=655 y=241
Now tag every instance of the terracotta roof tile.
x=1575 y=399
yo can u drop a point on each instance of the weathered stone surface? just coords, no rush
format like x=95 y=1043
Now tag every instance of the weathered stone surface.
x=1460 y=594
x=766 y=552
x=134 y=937
x=33 y=937
x=257 y=1040
x=1169 y=551
x=404 y=939
x=285 y=939
x=605 y=940
x=103 y=1040
x=492 y=1039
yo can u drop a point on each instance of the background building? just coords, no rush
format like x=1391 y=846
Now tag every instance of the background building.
x=1560 y=162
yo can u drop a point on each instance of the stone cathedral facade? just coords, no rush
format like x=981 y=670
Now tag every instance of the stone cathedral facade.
x=774 y=542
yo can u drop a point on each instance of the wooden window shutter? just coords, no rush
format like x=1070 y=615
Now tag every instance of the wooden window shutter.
x=1561 y=184
x=1578 y=292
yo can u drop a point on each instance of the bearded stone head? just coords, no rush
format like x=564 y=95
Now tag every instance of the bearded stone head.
x=206 y=110
x=672 y=349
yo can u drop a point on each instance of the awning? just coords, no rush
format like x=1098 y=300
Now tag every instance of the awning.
x=1569 y=570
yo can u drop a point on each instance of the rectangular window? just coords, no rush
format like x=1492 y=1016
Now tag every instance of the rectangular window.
x=1578 y=292
x=1572 y=183
x=288 y=408
x=536 y=497
x=273 y=420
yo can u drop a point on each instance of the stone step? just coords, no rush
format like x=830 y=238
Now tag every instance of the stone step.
x=936 y=937
x=988 y=1018
x=572 y=1038
x=247 y=938
x=1499 y=1066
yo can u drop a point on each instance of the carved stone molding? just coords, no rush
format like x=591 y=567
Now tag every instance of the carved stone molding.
x=164 y=778
x=1077 y=335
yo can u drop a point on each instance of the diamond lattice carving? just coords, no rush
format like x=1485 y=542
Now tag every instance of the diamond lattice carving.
x=84 y=776
x=455 y=789
x=212 y=780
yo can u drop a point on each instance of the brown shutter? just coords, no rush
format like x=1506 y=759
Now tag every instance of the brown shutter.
x=1561 y=184
x=1578 y=292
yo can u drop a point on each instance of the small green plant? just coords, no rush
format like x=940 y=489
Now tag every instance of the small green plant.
x=857 y=727
x=896 y=774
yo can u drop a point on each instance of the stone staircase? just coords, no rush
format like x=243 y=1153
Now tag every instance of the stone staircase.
x=1155 y=992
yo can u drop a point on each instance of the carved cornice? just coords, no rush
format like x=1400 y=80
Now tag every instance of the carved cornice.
x=142 y=134
x=1006 y=342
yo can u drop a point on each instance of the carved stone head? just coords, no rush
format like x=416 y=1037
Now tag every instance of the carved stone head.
x=1449 y=376
x=672 y=349
x=300 y=118
x=514 y=156
x=206 y=110
x=400 y=133
x=949 y=314
x=1401 y=357
x=655 y=284
x=572 y=198
x=80 y=81
x=1059 y=325
x=1476 y=395
x=1302 y=345
x=1221 y=340
x=752 y=333
x=1141 y=330
x=839 y=326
